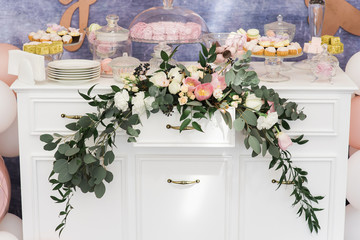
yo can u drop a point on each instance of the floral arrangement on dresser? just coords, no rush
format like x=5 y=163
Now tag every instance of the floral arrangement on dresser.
x=196 y=92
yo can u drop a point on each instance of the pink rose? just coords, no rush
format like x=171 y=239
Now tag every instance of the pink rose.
x=272 y=108
x=203 y=91
x=218 y=81
x=284 y=140
x=192 y=83
x=105 y=67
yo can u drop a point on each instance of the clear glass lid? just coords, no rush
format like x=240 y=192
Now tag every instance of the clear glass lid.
x=112 y=32
x=125 y=61
x=167 y=24
x=281 y=28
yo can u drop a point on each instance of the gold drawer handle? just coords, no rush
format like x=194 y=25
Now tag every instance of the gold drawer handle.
x=283 y=182
x=70 y=116
x=168 y=126
x=183 y=182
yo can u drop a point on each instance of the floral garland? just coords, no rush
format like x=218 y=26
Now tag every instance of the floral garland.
x=196 y=92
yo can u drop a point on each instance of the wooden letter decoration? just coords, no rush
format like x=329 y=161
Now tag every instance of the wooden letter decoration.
x=340 y=13
x=84 y=6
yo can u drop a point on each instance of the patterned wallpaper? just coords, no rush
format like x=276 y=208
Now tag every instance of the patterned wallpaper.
x=19 y=17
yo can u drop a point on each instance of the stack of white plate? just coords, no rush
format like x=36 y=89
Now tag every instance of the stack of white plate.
x=73 y=70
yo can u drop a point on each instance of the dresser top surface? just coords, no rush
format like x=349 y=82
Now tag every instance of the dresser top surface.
x=300 y=80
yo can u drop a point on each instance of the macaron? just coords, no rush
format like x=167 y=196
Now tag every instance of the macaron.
x=253 y=34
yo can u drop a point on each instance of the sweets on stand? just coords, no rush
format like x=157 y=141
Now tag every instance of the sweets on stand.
x=313 y=47
x=335 y=46
x=166 y=31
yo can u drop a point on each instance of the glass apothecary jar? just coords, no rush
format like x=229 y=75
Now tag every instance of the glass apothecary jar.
x=324 y=65
x=280 y=29
x=111 y=41
x=167 y=24
x=123 y=67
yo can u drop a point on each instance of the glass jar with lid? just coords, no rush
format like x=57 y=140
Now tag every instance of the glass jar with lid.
x=168 y=24
x=123 y=66
x=111 y=41
x=280 y=29
x=324 y=65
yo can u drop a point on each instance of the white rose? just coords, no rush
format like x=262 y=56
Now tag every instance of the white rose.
x=184 y=88
x=234 y=104
x=121 y=100
x=175 y=75
x=268 y=121
x=194 y=72
x=174 y=87
x=135 y=89
x=183 y=100
x=218 y=93
x=253 y=102
x=160 y=80
x=148 y=102
x=138 y=103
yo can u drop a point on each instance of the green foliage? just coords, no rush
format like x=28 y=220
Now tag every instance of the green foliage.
x=81 y=157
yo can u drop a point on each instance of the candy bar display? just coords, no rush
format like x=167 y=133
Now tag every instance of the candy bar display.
x=335 y=46
x=167 y=24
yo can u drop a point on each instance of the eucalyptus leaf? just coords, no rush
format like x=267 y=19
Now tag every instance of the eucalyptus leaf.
x=197 y=126
x=88 y=159
x=47 y=138
x=99 y=190
x=63 y=148
x=72 y=151
x=109 y=157
x=185 y=114
x=59 y=165
x=249 y=117
x=74 y=165
x=254 y=144
x=99 y=174
x=239 y=124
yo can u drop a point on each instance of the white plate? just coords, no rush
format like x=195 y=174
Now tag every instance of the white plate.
x=73 y=81
x=74 y=64
x=73 y=74
x=74 y=70
x=73 y=77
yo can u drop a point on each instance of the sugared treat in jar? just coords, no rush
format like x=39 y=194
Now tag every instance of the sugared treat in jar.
x=280 y=29
x=111 y=41
x=169 y=24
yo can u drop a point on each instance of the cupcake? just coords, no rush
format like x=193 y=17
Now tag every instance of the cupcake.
x=282 y=51
x=67 y=39
x=270 y=51
x=258 y=50
x=75 y=34
x=36 y=37
x=298 y=47
x=248 y=46
x=265 y=44
x=286 y=43
x=62 y=32
x=278 y=44
x=253 y=34
x=45 y=38
x=31 y=35
x=41 y=32
x=56 y=38
x=292 y=50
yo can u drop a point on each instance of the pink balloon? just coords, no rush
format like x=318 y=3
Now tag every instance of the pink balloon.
x=4 y=59
x=354 y=139
x=9 y=141
x=353 y=180
x=5 y=189
x=7 y=107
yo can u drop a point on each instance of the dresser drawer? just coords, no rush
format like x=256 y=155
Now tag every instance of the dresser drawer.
x=167 y=210
x=216 y=132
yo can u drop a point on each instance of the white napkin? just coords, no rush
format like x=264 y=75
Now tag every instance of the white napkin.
x=29 y=67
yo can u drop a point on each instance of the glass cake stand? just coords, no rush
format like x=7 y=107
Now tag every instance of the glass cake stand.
x=273 y=66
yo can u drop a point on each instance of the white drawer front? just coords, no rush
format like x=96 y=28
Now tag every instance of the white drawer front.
x=265 y=211
x=171 y=211
x=216 y=133
x=46 y=113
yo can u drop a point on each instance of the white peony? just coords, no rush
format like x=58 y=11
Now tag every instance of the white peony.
x=268 y=121
x=141 y=104
x=253 y=102
x=160 y=80
x=175 y=75
x=234 y=104
x=174 y=87
x=195 y=72
x=121 y=100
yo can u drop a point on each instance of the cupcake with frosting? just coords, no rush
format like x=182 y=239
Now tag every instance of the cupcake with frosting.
x=258 y=50
x=31 y=35
x=75 y=34
x=67 y=39
x=36 y=37
x=297 y=46
x=45 y=38
x=292 y=50
x=270 y=51
x=282 y=51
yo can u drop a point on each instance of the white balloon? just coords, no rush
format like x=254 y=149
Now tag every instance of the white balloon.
x=353 y=180
x=9 y=141
x=7 y=236
x=12 y=224
x=7 y=106
x=352 y=223
x=353 y=70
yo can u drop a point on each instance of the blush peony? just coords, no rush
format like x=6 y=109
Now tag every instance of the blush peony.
x=284 y=140
x=203 y=91
x=192 y=83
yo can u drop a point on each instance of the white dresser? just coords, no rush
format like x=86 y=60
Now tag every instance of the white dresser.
x=235 y=198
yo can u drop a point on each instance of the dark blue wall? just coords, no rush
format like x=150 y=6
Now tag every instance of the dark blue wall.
x=19 y=17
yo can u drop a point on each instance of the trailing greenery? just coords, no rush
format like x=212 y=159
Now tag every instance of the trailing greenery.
x=81 y=158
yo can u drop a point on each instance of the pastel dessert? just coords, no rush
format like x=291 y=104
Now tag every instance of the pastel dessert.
x=62 y=32
x=31 y=35
x=278 y=44
x=292 y=50
x=75 y=34
x=45 y=38
x=36 y=37
x=105 y=66
x=56 y=38
x=67 y=39
x=270 y=51
x=258 y=50
x=253 y=34
x=30 y=47
x=282 y=51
